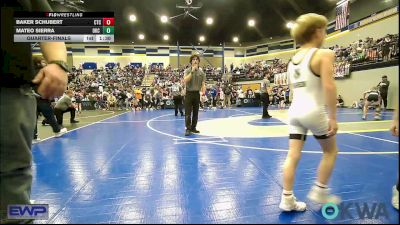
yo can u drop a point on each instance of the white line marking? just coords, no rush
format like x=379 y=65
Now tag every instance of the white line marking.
x=203 y=138
x=81 y=127
x=77 y=117
x=256 y=148
x=269 y=122
x=168 y=120
x=249 y=113
x=236 y=115
x=360 y=113
x=128 y=121
x=138 y=121
x=195 y=142
x=381 y=139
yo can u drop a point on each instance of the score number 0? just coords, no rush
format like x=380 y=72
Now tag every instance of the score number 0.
x=108 y=21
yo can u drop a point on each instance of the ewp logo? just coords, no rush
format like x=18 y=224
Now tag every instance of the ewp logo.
x=364 y=210
x=36 y=211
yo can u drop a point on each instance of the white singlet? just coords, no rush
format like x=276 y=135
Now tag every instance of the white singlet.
x=308 y=108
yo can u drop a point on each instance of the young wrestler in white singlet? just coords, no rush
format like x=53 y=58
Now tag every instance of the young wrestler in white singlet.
x=313 y=109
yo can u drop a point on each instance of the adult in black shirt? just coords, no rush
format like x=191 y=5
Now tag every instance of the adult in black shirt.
x=18 y=104
x=383 y=89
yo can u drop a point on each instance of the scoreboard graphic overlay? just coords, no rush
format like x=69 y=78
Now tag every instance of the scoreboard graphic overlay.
x=64 y=27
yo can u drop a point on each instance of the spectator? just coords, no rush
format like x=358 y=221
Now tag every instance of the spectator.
x=250 y=93
x=177 y=96
x=228 y=93
x=386 y=48
x=287 y=95
x=340 y=102
x=214 y=93
x=221 y=97
x=111 y=101
x=65 y=105
x=383 y=89
x=282 y=99
x=147 y=100
x=358 y=105
x=78 y=99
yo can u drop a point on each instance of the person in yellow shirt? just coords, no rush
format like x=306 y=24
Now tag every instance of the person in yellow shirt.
x=111 y=101
x=138 y=97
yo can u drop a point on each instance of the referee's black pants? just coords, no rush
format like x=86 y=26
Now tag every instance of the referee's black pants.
x=265 y=101
x=384 y=96
x=192 y=104
x=178 y=105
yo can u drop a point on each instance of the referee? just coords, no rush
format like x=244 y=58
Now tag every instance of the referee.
x=195 y=82
x=265 y=98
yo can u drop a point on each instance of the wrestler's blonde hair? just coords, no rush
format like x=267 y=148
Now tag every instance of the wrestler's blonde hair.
x=306 y=25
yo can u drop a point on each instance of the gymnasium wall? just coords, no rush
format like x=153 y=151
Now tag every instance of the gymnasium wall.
x=375 y=30
x=184 y=60
x=285 y=56
x=123 y=60
x=125 y=54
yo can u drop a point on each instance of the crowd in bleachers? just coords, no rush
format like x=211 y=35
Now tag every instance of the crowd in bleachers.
x=104 y=84
x=259 y=70
x=369 y=50
x=365 y=51
x=122 y=87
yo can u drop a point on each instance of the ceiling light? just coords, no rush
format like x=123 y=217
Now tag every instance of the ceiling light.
x=202 y=38
x=164 y=19
x=209 y=21
x=251 y=23
x=141 y=36
x=235 y=39
x=132 y=18
x=166 y=37
x=290 y=25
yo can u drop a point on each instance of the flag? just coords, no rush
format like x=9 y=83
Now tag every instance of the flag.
x=342 y=15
